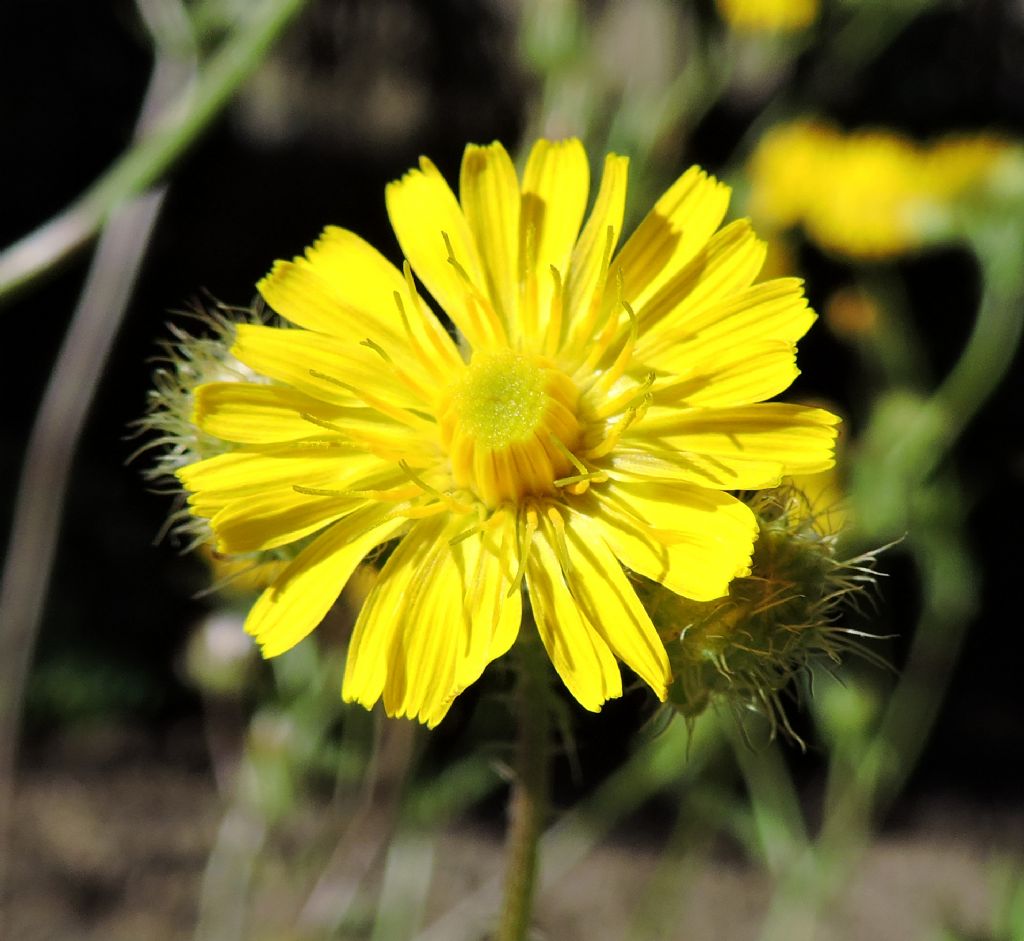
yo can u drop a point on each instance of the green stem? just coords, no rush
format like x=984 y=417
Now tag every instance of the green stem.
x=673 y=758
x=993 y=343
x=528 y=803
x=778 y=818
x=860 y=793
x=984 y=363
x=147 y=161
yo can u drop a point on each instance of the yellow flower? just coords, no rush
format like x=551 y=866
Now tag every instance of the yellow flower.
x=868 y=194
x=869 y=188
x=591 y=414
x=853 y=194
x=962 y=161
x=768 y=15
x=782 y=168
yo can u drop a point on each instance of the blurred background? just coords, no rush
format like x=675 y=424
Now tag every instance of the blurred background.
x=167 y=780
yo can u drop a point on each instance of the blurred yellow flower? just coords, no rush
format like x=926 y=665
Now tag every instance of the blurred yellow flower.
x=958 y=162
x=866 y=188
x=781 y=169
x=592 y=413
x=768 y=15
x=868 y=194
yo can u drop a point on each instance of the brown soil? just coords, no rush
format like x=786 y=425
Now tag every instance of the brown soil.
x=111 y=837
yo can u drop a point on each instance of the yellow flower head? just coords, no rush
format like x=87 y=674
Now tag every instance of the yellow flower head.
x=854 y=194
x=868 y=194
x=960 y=162
x=772 y=16
x=869 y=189
x=783 y=169
x=593 y=411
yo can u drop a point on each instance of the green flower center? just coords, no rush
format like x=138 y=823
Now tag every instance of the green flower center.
x=508 y=423
x=501 y=399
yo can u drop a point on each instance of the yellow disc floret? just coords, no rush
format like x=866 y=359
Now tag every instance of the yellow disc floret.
x=509 y=425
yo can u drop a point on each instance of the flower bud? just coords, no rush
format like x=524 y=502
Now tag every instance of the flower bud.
x=186 y=362
x=746 y=647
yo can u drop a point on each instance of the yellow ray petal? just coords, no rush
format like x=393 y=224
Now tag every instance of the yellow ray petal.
x=728 y=263
x=439 y=613
x=273 y=518
x=424 y=656
x=772 y=310
x=489 y=564
x=801 y=439
x=579 y=654
x=603 y=592
x=489 y=192
x=345 y=287
x=253 y=503
x=370 y=650
x=260 y=414
x=692 y=541
x=593 y=252
x=672 y=233
x=300 y=597
x=555 y=187
x=407 y=636
x=388 y=440
x=241 y=473
x=645 y=462
x=735 y=376
x=424 y=213
x=337 y=371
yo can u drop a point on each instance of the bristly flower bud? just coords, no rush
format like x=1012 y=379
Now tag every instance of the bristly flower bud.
x=743 y=650
x=185 y=362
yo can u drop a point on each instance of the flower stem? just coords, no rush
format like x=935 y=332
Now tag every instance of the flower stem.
x=528 y=802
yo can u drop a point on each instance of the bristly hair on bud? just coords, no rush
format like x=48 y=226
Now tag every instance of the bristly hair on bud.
x=745 y=649
x=185 y=361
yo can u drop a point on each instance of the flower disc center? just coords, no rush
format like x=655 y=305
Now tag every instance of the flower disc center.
x=508 y=423
x=501 y=399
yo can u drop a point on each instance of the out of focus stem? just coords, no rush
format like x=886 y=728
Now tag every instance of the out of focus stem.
x=984 y=363
x=907 y=460
x=178 y=126
x=529 y=799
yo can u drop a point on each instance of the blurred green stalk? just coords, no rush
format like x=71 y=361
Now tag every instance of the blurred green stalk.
x=180 y=123
x=901 y=459
x=528 y=803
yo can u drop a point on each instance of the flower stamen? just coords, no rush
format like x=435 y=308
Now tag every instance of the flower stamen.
x=490 y=327
x=446 y=498
x=403 y=415
x=616 y=431
x=556 y=526
x=526 y=527
x=628 y=398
